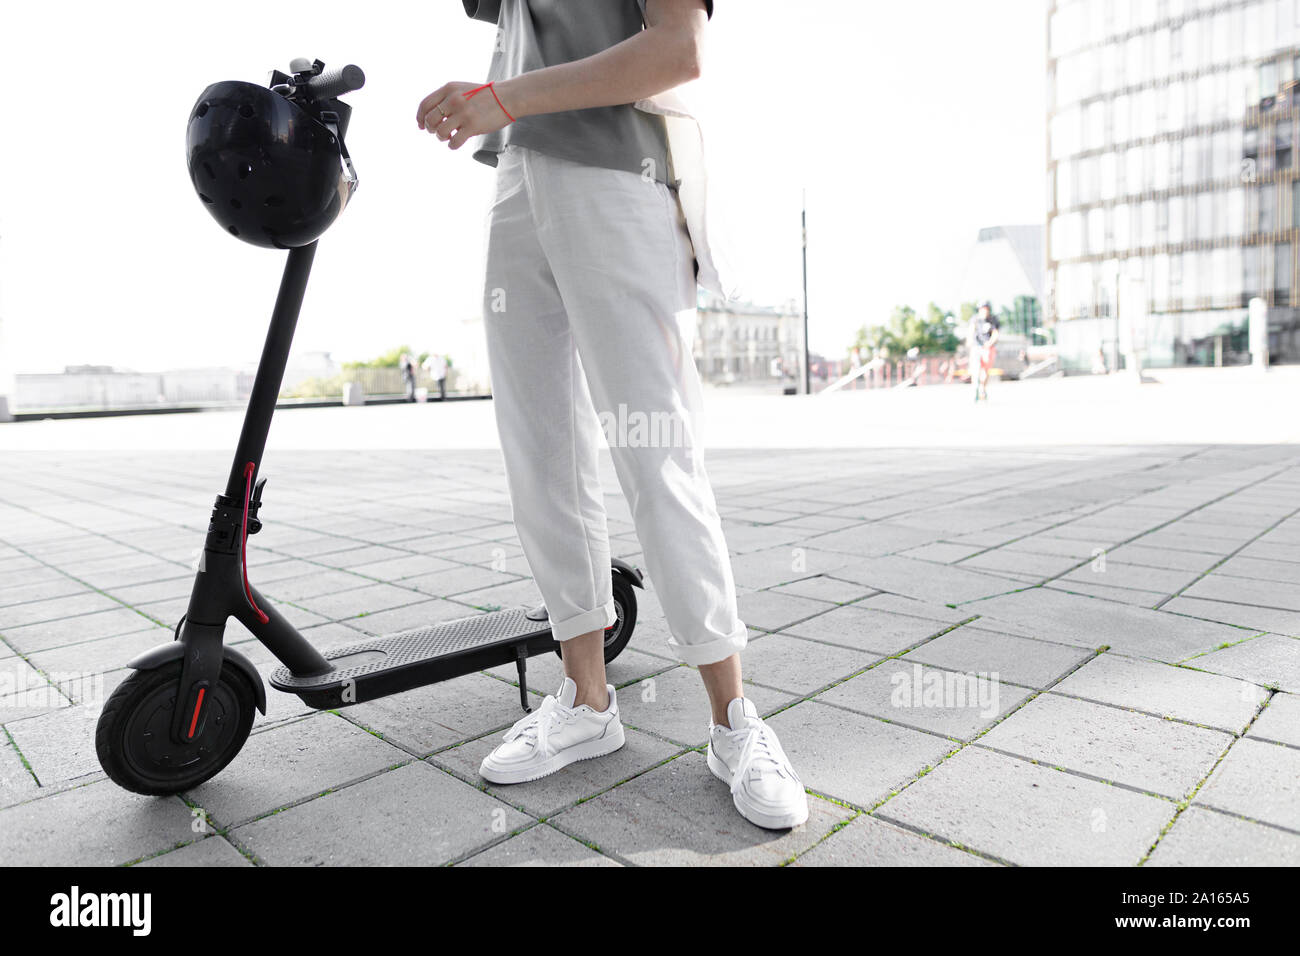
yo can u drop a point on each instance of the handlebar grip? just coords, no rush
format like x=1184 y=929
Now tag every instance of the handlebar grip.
x=336 y=82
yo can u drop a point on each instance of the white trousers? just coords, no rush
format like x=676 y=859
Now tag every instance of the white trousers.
x=588 y=298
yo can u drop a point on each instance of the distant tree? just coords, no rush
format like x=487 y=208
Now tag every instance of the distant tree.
x=931 y=334
x=388 y=360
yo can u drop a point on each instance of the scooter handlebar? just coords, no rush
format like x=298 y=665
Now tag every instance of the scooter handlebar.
x=336 y=82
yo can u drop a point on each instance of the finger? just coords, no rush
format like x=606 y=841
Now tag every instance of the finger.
x=429 y=122
x=427 y=104
x=440 y=115
x=445 y=131
x=460 y=139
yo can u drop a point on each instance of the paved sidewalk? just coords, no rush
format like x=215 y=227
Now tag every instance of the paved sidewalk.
x=1071 y=655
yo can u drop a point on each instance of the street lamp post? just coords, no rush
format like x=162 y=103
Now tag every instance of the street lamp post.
x=807 y=360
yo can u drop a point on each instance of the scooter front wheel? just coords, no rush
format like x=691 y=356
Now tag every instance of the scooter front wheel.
x=134 y=736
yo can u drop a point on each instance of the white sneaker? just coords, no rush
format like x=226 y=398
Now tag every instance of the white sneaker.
x=747 y=757
x=553 y=736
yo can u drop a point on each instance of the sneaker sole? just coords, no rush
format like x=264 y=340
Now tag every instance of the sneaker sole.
x=584 y=751
x=760 y=818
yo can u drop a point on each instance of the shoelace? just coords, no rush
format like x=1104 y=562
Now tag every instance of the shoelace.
x=537 y=725
x=759 y=747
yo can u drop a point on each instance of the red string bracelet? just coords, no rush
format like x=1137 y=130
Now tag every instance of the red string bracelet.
x=490 y=87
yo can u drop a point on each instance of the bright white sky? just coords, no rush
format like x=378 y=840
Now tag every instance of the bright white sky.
x=911 y=125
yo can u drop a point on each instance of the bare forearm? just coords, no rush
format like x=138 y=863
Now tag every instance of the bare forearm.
x=656 y=59
x=665 y=54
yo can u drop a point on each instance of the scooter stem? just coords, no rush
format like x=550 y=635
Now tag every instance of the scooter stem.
x=270 y=370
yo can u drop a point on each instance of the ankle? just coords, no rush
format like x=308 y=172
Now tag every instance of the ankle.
x=596 y=697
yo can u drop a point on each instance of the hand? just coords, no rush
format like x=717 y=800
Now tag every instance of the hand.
x=454 y=117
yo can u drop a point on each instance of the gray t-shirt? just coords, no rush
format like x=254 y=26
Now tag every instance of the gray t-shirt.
x=533 y=34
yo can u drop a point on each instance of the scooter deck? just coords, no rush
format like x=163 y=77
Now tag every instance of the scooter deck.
x=388 y=665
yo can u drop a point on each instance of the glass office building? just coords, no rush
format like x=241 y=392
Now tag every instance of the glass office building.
x=1172 y=160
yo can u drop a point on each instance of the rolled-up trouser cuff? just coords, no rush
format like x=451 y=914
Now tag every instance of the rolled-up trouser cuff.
x=587 y=621
x=712 y=652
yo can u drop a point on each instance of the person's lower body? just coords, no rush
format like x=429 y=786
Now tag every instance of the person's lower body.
x=588 y=304
x=442 y=389
x=986 y=364
x=981 y=360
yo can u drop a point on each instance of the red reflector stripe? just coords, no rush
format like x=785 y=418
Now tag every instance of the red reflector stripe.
x=198 y=705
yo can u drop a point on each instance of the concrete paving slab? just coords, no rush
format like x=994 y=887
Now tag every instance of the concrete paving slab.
x=975 y=650
x=290 y=762
x=1030 y=815
x=827 y=746
x=1280 y=721
x=798 y=666
x=1202 y=837
x=910 y=694
x=539 y=846
x=923 y=580
x=867 y=841
x=864 y=627
x=1091 y=622
x=415 y=815
x=680 y=814
x=94 y=825
x=1150 y=754
x=1257 y=779
x=1166 y=691
x=1270 y=660
x=211 y=851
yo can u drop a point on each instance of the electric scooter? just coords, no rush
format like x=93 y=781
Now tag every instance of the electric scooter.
x=270 y=165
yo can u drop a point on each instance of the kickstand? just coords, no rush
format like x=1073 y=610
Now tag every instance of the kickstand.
x=521 y=665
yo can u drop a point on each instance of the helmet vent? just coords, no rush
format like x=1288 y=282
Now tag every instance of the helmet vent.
x=245 y=169
x=208 y=169
x=234 y=230
x=206 y=199
x=202 y=110
x=236 y=204
x=246 y=111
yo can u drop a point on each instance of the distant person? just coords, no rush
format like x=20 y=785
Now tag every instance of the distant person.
x=436 y=366
x=984 y=333
x=408 y=375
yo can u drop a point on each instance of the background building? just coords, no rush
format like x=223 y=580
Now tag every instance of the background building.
x=1171 y=160
x=1006 y=267
x=738 y=341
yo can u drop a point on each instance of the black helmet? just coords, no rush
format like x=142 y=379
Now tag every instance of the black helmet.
x=270 y=170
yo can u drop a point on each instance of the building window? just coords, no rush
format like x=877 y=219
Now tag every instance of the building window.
x=1235 y=212
x=1251 y=283
x=1121 y=227
x=1267 y=217
x=1267 y=80
x=1205 y=216
x=1282 y=278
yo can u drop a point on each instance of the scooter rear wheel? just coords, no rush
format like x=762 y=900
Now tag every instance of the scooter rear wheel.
x=620 y=632
x=134 y=740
